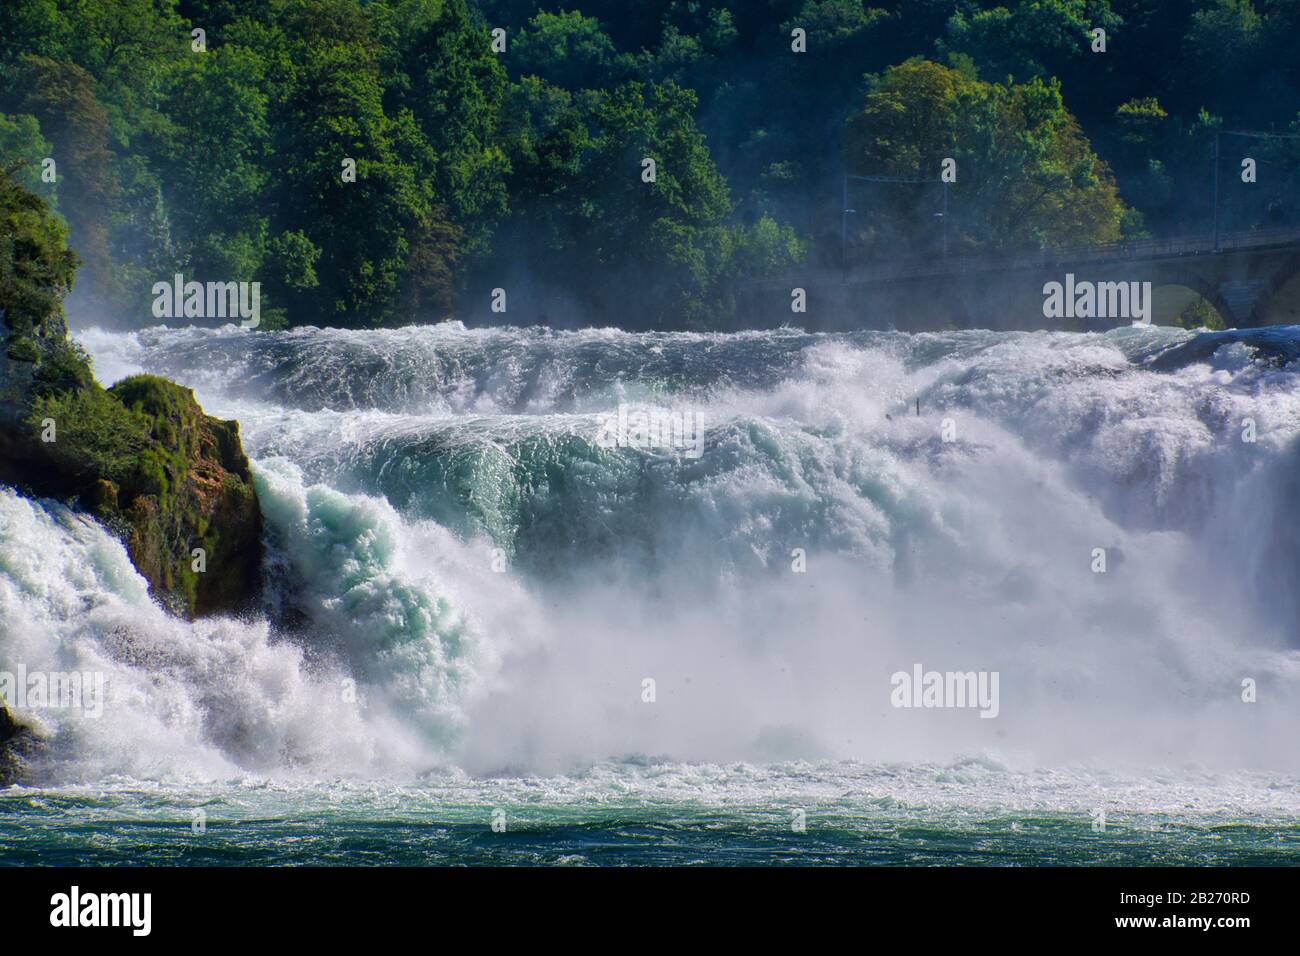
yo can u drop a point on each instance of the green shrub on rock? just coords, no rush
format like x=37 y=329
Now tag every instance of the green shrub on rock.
x=22 y=349
x=36 y=269
x=64 y=366
x=93 y=432
x=142 y=457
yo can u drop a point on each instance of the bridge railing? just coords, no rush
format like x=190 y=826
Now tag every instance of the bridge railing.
x=1131 y=250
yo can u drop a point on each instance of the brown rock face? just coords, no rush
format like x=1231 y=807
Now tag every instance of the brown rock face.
x=142 y=457
x=16 y=744
x=172 y=482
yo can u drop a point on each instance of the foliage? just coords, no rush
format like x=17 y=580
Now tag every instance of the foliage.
x=94 y=430
x=1028 y=39
x=477 y=170
x=65 y=366
x=1025 y=175
x=22 y=350
x=1201 y=315
x=598 y=225
x=36 y=269
x=566 y=49
x=23 y=148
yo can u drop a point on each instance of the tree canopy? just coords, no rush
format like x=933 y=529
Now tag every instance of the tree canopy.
x=376 y=162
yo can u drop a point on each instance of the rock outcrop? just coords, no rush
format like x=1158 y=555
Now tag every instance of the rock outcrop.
x=16 y=744
x=142 y=457
x=171 y=482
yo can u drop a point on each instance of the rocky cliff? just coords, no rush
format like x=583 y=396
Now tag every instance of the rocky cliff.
x=142 y=457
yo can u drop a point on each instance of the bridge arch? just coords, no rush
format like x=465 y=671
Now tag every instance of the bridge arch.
x=1175 y=296
x=1279 y=301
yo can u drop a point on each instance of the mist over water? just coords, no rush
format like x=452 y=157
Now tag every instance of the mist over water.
x=497 y=585
x=394 y=467
x=496 y=626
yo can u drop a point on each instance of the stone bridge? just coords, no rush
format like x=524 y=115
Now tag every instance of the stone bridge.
x=1250 y=279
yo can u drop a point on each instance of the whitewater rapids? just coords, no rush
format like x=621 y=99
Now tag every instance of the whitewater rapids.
x=461 y=579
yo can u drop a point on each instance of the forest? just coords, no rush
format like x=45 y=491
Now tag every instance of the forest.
x=598 y=162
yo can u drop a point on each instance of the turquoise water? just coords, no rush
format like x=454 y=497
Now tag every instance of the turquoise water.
x=476 y=609
x=649 y=814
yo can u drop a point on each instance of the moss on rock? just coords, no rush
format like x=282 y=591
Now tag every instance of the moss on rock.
x=172 y=481
x=142 y=456
x=17 y=744
x=23 y=350
x=10 y=763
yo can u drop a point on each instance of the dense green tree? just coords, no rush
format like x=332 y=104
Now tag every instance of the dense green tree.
x=546 y=139
x=32 y=28
x=1026 y=175
x=61 y=96
x=36 y=268
x=24 y=149
x=456 y=85
x=477 y=170
x=1032 y=38
x=567 y=49
x=335 y=113
x=215 y=165
x=1226 y=38
x=665 y=237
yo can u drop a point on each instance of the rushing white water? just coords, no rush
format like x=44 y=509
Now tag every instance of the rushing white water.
x=498 y=585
